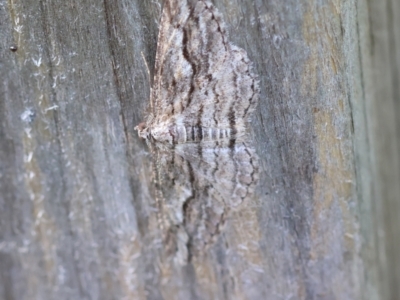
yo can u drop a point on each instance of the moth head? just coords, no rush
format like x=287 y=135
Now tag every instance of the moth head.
x=162 y=133
x=143 y=131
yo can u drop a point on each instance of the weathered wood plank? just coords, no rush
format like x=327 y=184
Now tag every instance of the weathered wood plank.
x=77 y=202
x=379 y=169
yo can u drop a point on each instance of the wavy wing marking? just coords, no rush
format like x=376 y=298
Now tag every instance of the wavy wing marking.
x=201 y=79
x=200 y=187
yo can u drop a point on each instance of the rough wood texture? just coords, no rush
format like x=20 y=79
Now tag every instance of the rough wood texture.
x=77 y=213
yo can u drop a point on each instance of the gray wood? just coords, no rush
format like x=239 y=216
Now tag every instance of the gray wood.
x=379 y=169
x=77 y=200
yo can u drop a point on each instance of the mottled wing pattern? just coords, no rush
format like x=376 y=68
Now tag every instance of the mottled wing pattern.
x=231 y=171
x=201 y=79
x=200 y=185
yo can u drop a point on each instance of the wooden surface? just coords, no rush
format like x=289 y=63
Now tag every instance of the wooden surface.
x=77 y=214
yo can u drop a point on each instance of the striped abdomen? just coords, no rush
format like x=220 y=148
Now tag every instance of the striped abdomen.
x=184 y=134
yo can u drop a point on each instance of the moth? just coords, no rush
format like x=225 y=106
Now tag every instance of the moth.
x=204 y=88
x=203 y=94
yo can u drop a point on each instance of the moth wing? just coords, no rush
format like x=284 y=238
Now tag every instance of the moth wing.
x=200 y=184
x=201 y=79
x=229 y=173
x=222 y=178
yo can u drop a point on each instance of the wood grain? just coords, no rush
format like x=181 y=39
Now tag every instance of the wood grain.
x=77 y=199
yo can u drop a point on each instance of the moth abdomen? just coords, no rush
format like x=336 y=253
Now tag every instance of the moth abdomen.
x=188 y=134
